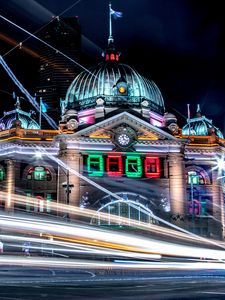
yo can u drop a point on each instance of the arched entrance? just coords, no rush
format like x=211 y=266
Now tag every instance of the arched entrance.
x=131 y=206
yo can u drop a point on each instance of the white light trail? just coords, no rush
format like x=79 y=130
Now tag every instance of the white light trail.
x=64 y=208
x=45 y=43
x=114 y=240
x=85 y=264
x=31 y=99
x=66 y=167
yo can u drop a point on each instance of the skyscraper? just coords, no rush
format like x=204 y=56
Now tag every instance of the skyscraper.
x=56 y=71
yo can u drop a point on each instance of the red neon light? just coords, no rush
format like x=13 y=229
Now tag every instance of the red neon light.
x=112 y=56
x=114 y=165
x=152 y=167
x=117 y=57
x=107 y=57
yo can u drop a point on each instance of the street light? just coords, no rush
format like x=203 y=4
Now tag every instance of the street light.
x=67 y=187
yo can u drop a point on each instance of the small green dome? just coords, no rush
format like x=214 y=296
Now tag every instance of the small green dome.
x=9 y=119
x=201 y=126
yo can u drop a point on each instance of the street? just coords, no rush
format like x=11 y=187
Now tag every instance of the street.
x=34 y=283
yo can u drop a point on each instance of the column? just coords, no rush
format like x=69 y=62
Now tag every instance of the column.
x=177 y=186
x=10 y=184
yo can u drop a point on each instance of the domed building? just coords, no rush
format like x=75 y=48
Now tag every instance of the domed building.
x=117 y=151
x=201 y=126
x=110 y=86
x=18 y=117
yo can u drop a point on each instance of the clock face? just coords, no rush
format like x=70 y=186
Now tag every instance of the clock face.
x=123 y=139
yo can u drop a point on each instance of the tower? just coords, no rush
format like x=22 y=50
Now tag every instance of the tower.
x=55 y=70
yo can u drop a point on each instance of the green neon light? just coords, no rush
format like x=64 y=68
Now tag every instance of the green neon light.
x=95 y=165
x=2 y=174
x=39 y=173
x=133 y=166
x=193 y=178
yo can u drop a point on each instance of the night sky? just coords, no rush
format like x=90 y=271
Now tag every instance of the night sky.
x=179 y=44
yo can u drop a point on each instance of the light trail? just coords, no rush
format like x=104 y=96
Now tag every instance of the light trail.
x=85 y=264
x=16 y=45
x=66 y=167
x=13 y=42
x=108 y=239
x=71 y=247
x=31 y=99
x=64 y=208
x=47 y=44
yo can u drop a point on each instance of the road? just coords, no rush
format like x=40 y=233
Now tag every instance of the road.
x=18 y=283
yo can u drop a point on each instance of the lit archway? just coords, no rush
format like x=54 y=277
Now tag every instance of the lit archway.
x=124 y=208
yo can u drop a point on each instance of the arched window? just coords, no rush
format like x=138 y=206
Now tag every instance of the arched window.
x=39 y=173
x=2 y=174
x=197 y=176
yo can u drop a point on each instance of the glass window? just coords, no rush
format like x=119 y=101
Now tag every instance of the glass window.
x=39 y=174
x=95 y=165
x=133 y=166
x=2 y=174
x=114 y=166
x=48 y=202
x=193 y=177
x=152 y=167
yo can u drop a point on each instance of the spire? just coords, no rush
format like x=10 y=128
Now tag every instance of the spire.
x=110 y=54
x=198 y=111
x=17 y=104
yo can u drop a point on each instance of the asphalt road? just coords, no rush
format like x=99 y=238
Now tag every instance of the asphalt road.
x=29 y=283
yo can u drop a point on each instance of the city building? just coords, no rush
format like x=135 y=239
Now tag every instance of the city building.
x=126 y=155
x=56 y=71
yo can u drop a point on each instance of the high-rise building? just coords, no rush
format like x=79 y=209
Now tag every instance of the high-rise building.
x=57 y=71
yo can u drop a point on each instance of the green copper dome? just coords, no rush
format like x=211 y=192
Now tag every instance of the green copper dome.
x=117 y=84
x=200 y=125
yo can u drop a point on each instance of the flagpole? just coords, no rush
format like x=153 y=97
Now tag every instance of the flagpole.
x=110 y=24
x=189 y=116
x=40 y=112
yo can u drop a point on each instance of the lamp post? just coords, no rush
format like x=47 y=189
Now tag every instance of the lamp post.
x=67 y=186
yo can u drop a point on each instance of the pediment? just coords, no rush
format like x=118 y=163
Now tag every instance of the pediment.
x=106 y=128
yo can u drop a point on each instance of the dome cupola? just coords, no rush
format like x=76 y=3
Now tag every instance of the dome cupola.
x=200 y=125
x=115 y=85
x=18 y=117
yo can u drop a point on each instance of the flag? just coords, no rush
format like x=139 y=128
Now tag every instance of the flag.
x=116 y=14
x=44 y=106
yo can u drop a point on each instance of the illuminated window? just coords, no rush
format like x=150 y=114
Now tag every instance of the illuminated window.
x=28 y=207
x=2 y=174
x=112 y=56
x=197 y=176
x=95 y=165
x=114 y=166
x=133 y=166
x=107 y=57
x=48 y=203
x=39 y=174
x=152 y=167
x=194 y=208
x=193 y=177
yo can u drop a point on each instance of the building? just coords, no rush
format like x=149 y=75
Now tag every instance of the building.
x=56 y=71
x=133 y=158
